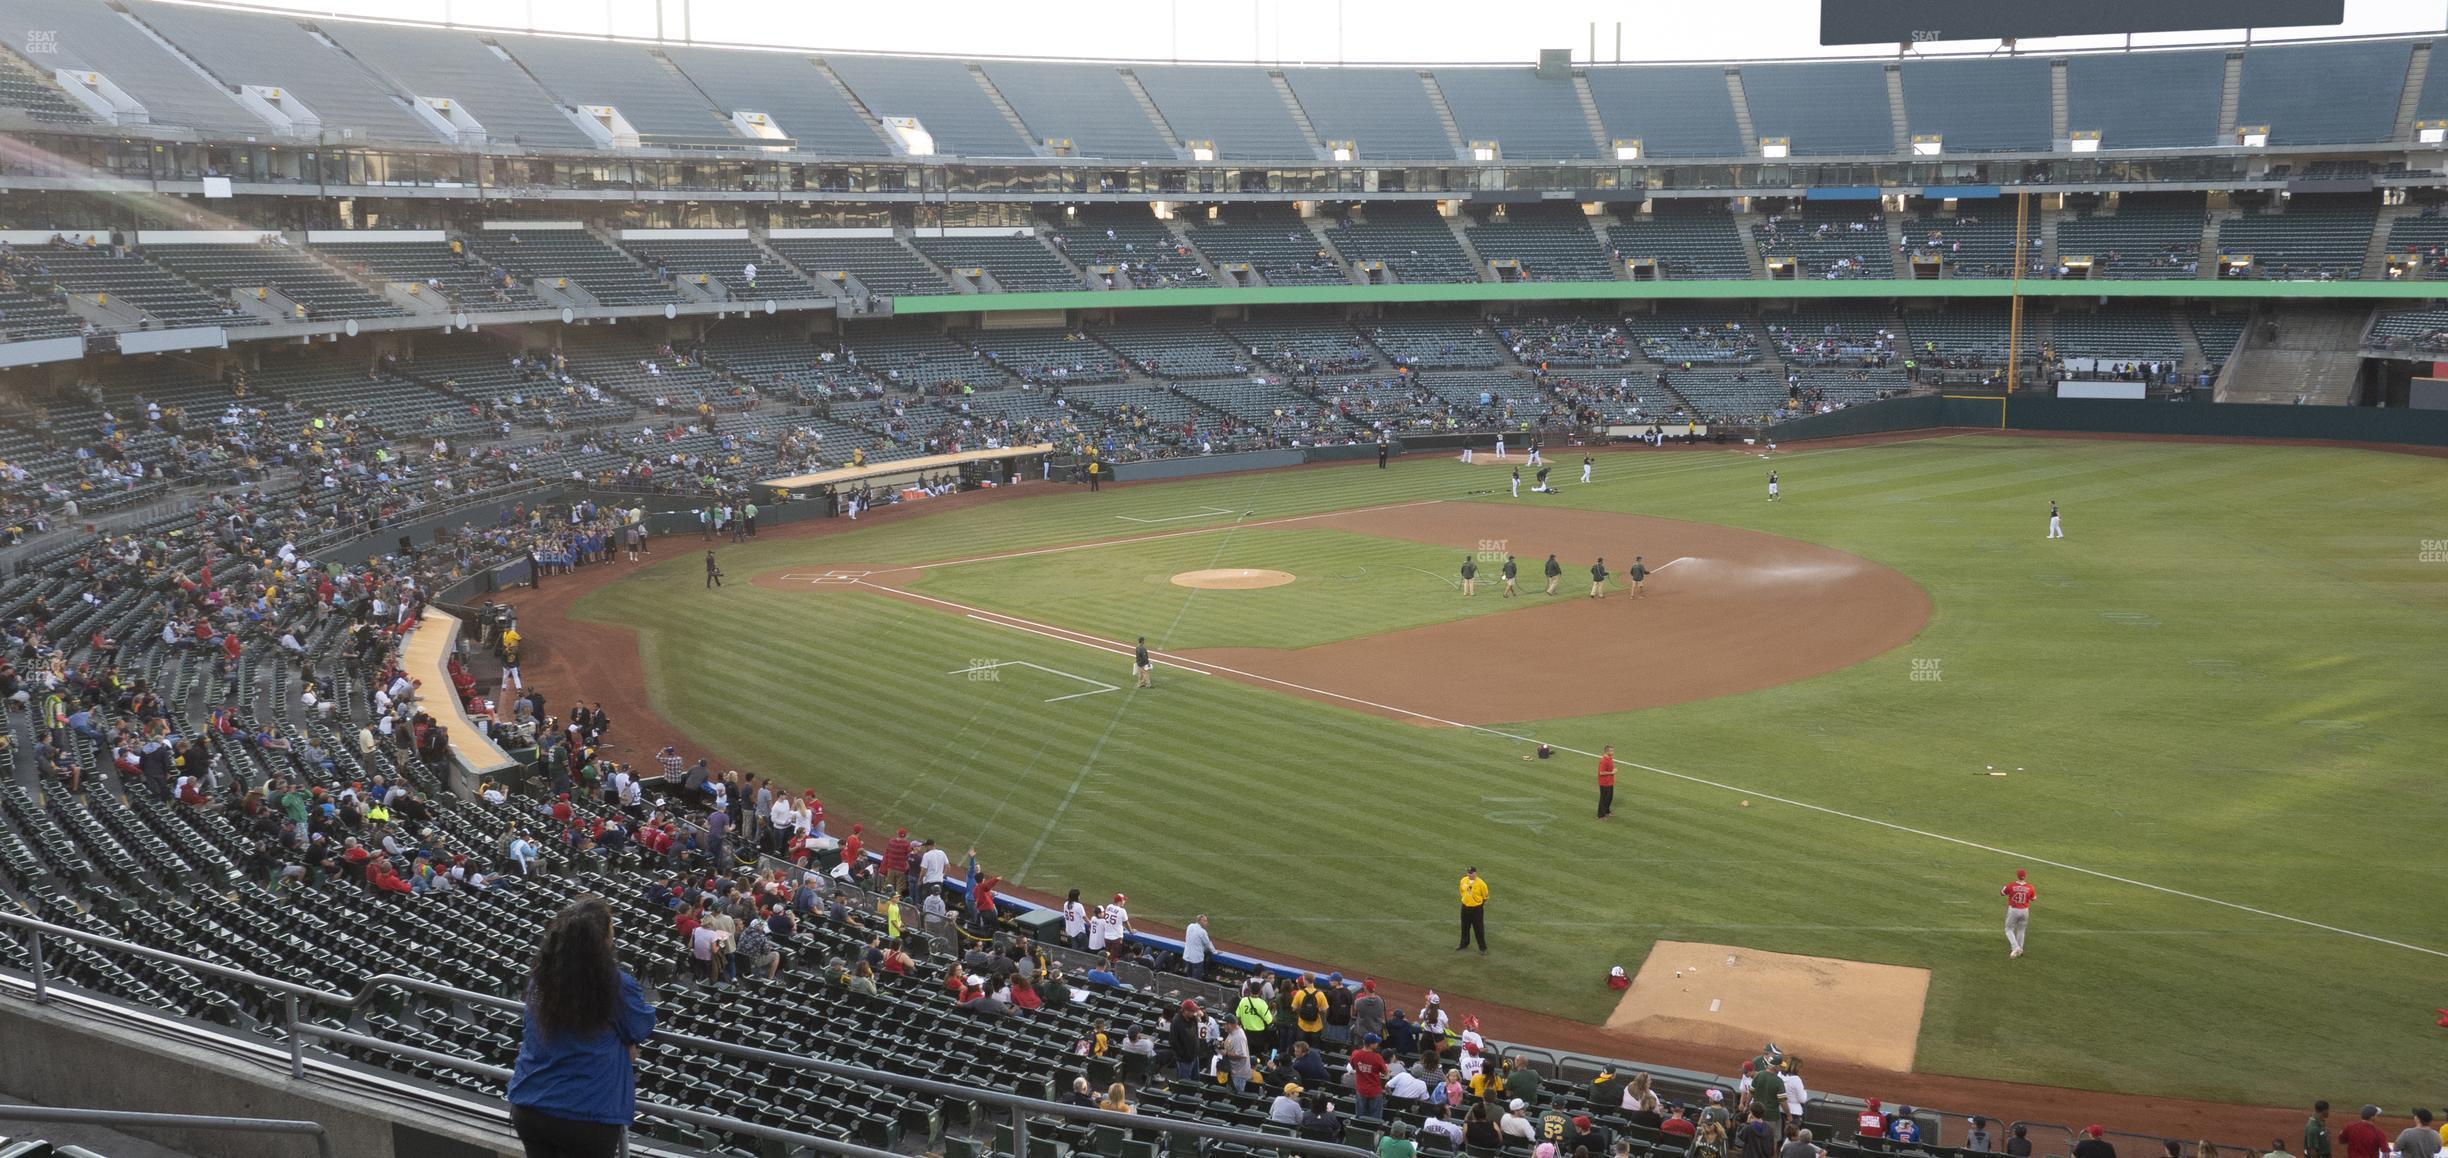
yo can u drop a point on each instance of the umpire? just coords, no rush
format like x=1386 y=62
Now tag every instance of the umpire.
x=1474 y=910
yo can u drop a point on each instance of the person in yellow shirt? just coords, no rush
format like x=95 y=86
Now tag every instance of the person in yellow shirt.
x=1474 y=910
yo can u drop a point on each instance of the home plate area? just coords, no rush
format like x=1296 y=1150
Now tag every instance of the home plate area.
x=1854 y=1012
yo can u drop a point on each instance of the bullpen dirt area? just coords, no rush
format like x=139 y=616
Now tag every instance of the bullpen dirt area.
x=1723 y=611
x=1734 y=998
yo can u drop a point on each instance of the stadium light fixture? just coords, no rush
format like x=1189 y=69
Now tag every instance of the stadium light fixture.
x=1343 y=150
x=2083 y=142
x=1776 y=148
x=1201 y=150
x=2252 y=136
x=1484 y=150
x=1928 y=145
x=1628 y=150
x=2431 y=132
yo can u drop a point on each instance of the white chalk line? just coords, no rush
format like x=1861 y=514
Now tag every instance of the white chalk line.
x=1101 y=686
x=1202 y=513
x=1187 y=664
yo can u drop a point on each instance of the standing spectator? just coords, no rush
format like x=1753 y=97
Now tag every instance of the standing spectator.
x=1368 y=1069
x=573 y=1091
x=2362 y=1136
x=2316 y=1131
x=1198 y=949
x=1368 y=1010
x=1236 y=1057
x=2420 y=1140
x=1075 y=922
x=1606 y=783
x=896 y=861
x=1756 y=1139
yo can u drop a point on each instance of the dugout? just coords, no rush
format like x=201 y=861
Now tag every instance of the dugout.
x=974 y=468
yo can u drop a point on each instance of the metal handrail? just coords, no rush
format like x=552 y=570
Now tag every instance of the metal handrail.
x=298 y=1032
x=116 y=1119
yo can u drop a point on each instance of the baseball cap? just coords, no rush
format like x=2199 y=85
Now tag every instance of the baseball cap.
x=1719 y=1096
x=1368 y=1039
x=2094 y=1130
x=1516 y=1104
x=1581 y=1121
x=1292 y=1089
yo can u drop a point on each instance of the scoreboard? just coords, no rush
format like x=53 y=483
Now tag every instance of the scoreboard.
x=1899 y=21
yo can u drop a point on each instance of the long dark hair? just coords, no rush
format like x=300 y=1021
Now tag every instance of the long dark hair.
x=573 y=986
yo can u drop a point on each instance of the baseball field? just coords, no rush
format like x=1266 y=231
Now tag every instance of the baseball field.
x=2207 y=721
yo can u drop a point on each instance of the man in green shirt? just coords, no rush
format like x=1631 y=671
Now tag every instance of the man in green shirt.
x=748 y=518
x=1522 y=1082
x=1397 y=1142
x=2316 y=1132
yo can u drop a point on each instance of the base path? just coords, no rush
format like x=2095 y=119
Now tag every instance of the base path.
x=1734 y=998
x=1724 y=611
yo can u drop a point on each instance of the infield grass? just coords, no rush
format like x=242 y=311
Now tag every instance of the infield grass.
x=2225 y=681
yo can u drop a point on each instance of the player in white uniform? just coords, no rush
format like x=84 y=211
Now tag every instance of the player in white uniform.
x=2056 y=528
x=1500 y=446
x=1517 y=482
x=1772 y=486
x=1585 y=468
x=1466 y=452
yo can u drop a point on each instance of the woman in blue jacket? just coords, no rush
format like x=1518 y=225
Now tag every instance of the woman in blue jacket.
x=574 y=1090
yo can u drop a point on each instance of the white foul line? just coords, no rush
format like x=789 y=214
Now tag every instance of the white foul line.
x=1204 y=667
x=1201 y=513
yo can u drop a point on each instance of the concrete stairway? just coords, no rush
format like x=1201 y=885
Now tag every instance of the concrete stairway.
x=2306 y=353
x=1742 y=119
x=1898 y=123
x=2060 y=122
x=2419 y=68
x=2229 y=92
x=1589 y=114
x=1444 y=113
x=1300 y=116
x=1148 y=109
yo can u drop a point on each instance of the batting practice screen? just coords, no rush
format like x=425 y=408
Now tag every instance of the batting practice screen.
x=1897 y=21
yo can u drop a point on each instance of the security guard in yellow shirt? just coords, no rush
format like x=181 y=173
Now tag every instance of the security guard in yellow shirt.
x=1474 y=910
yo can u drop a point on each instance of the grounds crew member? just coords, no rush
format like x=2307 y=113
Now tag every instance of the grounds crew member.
x=1555 y=571
x=1638 y=574
x=713 y=572
x=1474 y=910
x=1598 y=578
x=1141 y=666
x=1511 y=572
x=1470 y=576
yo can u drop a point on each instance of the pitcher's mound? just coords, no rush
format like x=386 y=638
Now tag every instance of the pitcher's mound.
x=1813 y=1007
x=1232 y=579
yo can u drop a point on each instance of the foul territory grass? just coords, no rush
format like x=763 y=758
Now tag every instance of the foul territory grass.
x=2224 y=682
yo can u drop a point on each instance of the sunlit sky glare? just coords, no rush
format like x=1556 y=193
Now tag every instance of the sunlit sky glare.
x=1288 y=31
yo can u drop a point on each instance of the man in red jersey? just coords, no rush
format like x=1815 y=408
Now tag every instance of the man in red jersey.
x=2018 y=894
x=1606 y=783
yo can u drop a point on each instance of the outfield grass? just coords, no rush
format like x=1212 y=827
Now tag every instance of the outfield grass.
x=2225 y=682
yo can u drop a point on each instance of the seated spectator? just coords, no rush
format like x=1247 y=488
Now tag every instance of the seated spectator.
x=1286 y=1109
